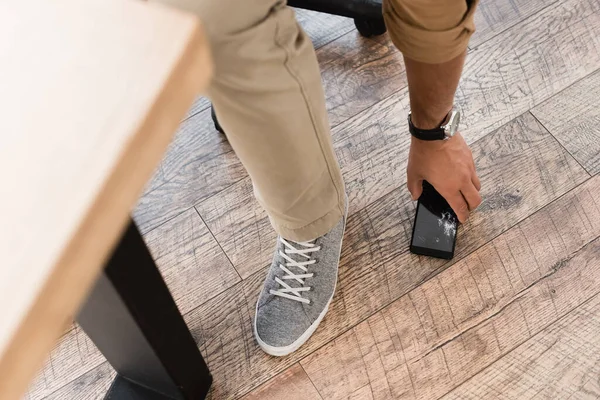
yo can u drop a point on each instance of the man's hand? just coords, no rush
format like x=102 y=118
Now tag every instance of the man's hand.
x=448 y=165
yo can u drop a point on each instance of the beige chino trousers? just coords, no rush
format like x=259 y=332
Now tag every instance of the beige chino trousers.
x=268 y=97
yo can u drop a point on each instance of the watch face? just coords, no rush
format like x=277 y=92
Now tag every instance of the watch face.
x=452 y=126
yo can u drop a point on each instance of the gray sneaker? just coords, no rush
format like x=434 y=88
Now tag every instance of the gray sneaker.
x=297 y=291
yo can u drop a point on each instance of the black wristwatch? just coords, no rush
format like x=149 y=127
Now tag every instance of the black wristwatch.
x=446 y=130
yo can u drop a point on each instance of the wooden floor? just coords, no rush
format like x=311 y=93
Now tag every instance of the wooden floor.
x=515 y=315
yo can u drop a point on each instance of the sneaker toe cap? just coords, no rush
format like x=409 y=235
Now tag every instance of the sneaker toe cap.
x=278 y=326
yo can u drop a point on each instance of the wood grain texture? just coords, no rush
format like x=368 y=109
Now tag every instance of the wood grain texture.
x=92 y=385
x=573 y=117
x=71 y=174
x=454 y=325
x=376 y=269
x=358 y=72
x=368 y=353
x=200 y=104
x=506 y=76
x=493 y=17
x=560 y=362
x=364 y=393
x=190 y=260
x=244 y=231
x=293 y=384
x=323 y=28
x=529 y=63
x=344 y=370
x=198 y=164
x=73 y=356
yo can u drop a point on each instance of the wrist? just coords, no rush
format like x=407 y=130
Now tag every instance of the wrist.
x=430 y=118
x=428 y=144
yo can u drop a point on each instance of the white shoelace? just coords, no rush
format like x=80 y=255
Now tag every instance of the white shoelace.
x=295 y=293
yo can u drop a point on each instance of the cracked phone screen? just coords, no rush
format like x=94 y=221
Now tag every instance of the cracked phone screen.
x=435 y=227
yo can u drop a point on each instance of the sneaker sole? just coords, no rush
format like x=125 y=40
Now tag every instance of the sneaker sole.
x=286 y=350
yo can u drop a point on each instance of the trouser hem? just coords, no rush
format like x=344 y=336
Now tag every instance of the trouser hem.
x=313 y=230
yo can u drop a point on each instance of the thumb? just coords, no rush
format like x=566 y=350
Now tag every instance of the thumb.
x=415 y=187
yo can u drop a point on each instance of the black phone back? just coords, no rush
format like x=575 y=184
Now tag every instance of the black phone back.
x=435 y=226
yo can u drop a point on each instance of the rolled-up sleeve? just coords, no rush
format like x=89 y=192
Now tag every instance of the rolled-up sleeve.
x=430 y=31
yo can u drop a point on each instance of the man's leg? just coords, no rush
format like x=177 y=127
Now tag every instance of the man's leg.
x=268 y=96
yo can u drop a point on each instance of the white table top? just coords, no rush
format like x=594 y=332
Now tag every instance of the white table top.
x=90 y=95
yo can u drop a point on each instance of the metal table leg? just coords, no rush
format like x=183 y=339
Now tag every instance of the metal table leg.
x=132 y=318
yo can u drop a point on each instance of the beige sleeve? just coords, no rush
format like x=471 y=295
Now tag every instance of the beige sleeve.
x=430 y=31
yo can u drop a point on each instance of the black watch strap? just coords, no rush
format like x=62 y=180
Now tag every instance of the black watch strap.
x=426 y=134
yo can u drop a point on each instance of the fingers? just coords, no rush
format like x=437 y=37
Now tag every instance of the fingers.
x=472 y=196
x=474 y=177
x=415 y=187
x=464 y=201
x=475 y=181
x=459 y=205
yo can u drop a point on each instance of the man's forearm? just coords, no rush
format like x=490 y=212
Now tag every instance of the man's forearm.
x=433 y=35
x=432 y=88
x=447 y=164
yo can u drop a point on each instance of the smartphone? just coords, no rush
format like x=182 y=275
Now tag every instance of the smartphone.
x=434 y=230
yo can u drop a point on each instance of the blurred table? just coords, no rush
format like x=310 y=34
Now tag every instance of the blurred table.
x=91 y=93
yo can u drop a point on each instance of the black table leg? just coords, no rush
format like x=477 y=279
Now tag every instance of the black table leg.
x=131 y=317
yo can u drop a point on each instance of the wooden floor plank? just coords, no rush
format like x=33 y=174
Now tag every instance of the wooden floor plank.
x=323 y=28
x=190 y=260
x=73 y=356
x=244 y=232
x=363 y=363
x=493 y=17
x=503 y=78
x=450 y=327
x=92 y=385
x=375 y=267
x=573 y=117
x=200 y=104
x=560 y=362
x=293 y=384
x=335 y=382
x=364 y=393
x=198 y=164
x=358 y=72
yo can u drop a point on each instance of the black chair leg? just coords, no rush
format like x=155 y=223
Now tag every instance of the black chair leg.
x=215 y=120
x=367 y=14
x=369 y=27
